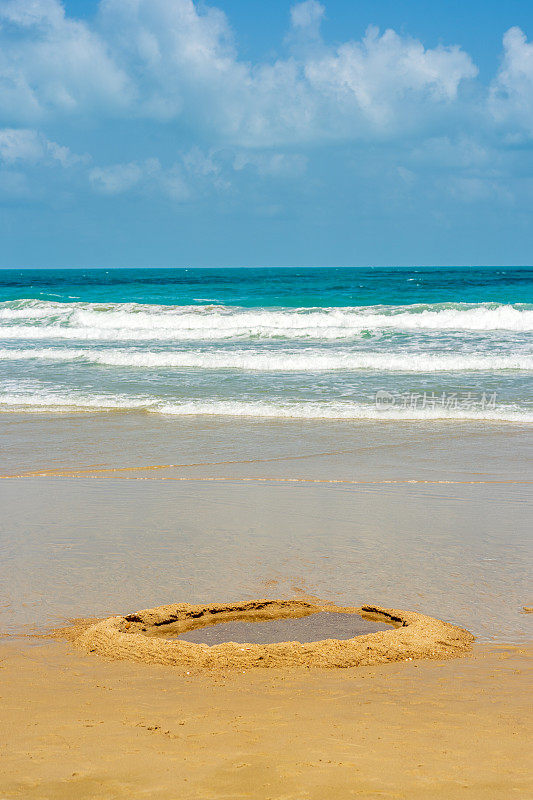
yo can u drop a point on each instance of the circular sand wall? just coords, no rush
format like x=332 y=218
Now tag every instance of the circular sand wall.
x=142 y=637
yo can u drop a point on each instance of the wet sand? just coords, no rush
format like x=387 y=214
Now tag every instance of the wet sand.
x=78 y=726
x=423 y=518
x=103 y=546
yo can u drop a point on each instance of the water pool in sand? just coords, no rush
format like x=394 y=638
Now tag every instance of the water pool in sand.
x=312 y=628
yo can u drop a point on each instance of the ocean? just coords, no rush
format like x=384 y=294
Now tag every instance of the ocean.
x=367 y=343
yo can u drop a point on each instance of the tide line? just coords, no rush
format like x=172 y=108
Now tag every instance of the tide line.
x=97 y=469
x=262 y=479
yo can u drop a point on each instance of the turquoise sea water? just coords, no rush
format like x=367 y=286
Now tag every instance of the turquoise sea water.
x=274 y=287
x=378 y=343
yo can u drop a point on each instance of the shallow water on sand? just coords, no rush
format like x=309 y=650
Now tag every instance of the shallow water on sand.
x=402 y=515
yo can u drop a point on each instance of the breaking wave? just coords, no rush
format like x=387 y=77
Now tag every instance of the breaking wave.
x=279 y=361
x=33 y=398
x=35 y=319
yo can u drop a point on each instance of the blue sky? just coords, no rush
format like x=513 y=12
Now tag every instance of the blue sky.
x=174 y=133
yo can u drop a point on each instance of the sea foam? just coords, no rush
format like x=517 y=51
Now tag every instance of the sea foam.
x=31 y=398
x=279 y=361
x=33 y=319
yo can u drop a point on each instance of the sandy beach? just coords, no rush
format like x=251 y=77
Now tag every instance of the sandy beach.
x=78 y=726
x=412 y=519
x=266 y=400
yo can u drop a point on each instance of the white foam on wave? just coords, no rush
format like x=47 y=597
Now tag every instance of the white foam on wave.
x=129 y=321
x=36 y=400
x=64 y=401
x=47 y=354
x=332 y=411
x=281 y=361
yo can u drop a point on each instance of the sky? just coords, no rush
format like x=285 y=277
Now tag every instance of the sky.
x=250 y=133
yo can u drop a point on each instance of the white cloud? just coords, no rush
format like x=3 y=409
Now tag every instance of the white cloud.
x=174 y=64
x=272 y=165
x=194 y=174
x=181 y=59
x=51 y=64
x=511 y=97
x=304 y=34
x=116 y=178
x=166 y=60
x=200 y=163
x=385 y=85
x=385 y=77
x=31 y=147
x=307 y=15
x=146 y=177
x=20 y=145
x=33 y=12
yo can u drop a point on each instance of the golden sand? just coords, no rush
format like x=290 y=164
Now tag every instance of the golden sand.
x=74 y=726
x=141 y=637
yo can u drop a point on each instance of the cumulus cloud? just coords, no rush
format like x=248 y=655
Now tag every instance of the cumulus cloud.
x=23 y=145
x=175 y=66
x=511 y=97
x=379 y=75
x=51 y=64
x=161 y=60
x=178 y=57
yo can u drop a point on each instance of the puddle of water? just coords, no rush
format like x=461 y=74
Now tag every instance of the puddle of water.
x=313 y=628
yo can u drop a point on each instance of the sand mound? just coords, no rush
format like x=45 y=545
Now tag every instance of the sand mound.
x=141 y=637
